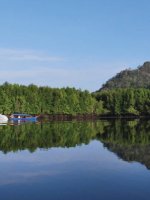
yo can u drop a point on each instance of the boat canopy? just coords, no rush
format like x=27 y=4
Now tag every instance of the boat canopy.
x=20 y=114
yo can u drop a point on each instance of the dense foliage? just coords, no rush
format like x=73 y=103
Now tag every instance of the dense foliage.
x=125 y=101
x=137 y=78
x=34 y=100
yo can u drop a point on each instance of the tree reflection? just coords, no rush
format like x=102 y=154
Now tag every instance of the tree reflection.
x=129 y=140
x=47 y=135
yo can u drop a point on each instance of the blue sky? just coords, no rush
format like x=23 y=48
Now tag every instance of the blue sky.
x=76 y=43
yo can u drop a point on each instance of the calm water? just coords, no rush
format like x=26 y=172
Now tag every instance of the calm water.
x=75 y=160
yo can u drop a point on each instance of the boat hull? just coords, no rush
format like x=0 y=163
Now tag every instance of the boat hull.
x=3 y=118
x=24 y=119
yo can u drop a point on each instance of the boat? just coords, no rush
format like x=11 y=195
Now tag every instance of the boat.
x=22 y=117
x=3 y=118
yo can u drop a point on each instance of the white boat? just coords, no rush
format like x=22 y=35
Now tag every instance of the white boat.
x=3 y=118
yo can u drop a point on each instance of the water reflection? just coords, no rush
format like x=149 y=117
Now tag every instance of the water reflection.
x=129 y=140
x=46 y=135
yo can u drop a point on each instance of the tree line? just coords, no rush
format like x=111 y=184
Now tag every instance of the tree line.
x=127 y=101
x=36 y=100
x=45 y=100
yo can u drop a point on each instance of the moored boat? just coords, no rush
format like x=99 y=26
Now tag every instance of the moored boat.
x=3 y=118
x=22 y=117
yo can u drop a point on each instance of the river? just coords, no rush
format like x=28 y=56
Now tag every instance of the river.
x=91 y=160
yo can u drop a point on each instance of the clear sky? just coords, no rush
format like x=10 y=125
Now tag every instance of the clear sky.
x=75 y=43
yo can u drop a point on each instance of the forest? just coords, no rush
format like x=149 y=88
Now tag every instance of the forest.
x=45 y=100
x=36 y=100
x=127 y=101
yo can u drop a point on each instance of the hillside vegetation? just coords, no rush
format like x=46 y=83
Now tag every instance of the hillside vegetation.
x=137 y=78
x=127 y=93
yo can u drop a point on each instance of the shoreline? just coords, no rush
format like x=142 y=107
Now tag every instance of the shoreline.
x=70 y=117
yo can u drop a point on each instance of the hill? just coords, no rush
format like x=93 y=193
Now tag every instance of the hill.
x=137 y=78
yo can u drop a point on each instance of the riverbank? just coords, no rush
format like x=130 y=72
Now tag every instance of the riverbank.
x=69 y=117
